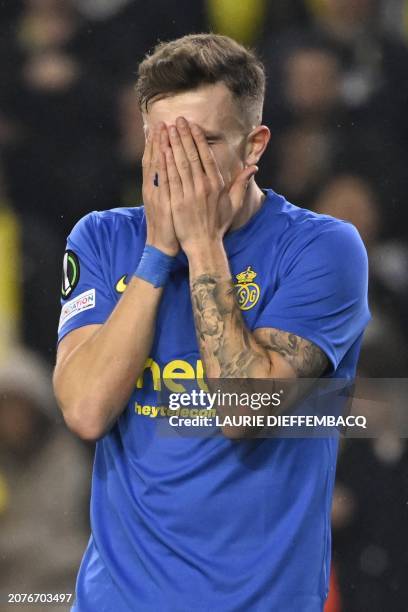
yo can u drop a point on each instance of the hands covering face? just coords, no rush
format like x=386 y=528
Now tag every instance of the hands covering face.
x=190 y=206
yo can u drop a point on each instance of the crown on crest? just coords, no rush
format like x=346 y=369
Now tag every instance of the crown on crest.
x=247 y=276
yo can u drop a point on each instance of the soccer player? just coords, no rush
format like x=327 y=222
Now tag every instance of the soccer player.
x=212 y=276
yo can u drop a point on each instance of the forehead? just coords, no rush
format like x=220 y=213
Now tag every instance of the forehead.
x=212 y=107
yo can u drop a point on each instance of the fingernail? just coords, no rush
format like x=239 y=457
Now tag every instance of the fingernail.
x=173 y=130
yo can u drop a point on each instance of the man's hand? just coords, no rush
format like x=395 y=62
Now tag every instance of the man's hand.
x=160 y=228
x=202 y=208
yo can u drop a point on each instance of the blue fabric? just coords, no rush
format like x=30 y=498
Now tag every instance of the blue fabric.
x=182 y=524
x=154 y=266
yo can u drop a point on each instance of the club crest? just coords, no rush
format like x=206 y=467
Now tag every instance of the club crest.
x=247 y=291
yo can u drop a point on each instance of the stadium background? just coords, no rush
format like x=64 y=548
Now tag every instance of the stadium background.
x=71 y=141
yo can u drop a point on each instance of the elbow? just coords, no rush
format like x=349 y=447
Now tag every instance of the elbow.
x=87 y=424
x=84 y=417
x=87 y=429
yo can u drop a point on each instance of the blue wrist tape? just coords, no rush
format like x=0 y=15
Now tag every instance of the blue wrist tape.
x=154 y=266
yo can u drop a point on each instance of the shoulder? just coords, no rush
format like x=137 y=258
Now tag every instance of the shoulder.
x=107 y=225
x=306 y=234
x=305 y=223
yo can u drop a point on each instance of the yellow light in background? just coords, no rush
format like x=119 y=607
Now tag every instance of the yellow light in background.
x=10 y=289
x=4 y=495
x=242 y=20
x=405 y=18
x=316 y=7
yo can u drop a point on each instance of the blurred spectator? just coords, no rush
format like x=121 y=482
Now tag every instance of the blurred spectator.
x=65 y=98
x=372 y=60
x=311 y=86
x=369 y=521
x=372 y=88
x=47 y=24
x=45 y=474
x=305 y=115
x=394 y=16
x=130 y=145
x=384 y=352
x=301 y=160
x=100 y=9
x=64 y=141
x=351 y=198
x=120 y=41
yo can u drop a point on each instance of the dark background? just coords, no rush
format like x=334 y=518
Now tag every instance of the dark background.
x=71 y=141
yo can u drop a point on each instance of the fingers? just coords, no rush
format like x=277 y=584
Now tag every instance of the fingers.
x=181 y=160
x=155 y=159
x=164 y=189
x=190 y=149
x=147 y=156
x=206 y=155
x=152 y=155
x=175 y=184
x=180 y=156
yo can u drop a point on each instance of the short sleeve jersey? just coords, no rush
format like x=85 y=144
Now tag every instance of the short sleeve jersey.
x=193 y=524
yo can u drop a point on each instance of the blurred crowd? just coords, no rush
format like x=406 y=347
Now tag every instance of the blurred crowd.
x=71 y=141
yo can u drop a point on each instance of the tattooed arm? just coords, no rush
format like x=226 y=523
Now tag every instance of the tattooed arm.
x=306 y=359
x=228 y=348
x=203 y=209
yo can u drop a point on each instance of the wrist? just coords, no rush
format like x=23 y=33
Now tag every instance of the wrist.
x=203 y=248
x=208 y=257
x=154 y=266
x=170 y=250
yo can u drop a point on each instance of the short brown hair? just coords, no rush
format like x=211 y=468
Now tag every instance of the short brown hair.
x=187 y=63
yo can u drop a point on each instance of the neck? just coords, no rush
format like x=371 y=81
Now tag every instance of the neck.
x=253 y=201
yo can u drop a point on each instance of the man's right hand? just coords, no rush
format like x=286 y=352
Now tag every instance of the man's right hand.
x=160 y=228
x=97 y=365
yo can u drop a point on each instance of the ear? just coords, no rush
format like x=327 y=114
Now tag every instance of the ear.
x=257 y=142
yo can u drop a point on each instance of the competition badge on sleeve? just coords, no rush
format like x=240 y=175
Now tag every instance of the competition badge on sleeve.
x=70 y=274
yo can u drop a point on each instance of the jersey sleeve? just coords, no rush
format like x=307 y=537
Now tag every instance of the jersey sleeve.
x=85 y=293
x=322 y=292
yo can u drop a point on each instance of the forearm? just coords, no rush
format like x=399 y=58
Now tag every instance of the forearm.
x=227 y=346
x=94 y=382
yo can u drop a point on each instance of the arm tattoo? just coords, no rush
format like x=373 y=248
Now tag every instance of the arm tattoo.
x=307 y=359
x=228 y=347
x=224 y=340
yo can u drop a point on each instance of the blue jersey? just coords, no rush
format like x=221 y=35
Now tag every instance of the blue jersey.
x=205 y=523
